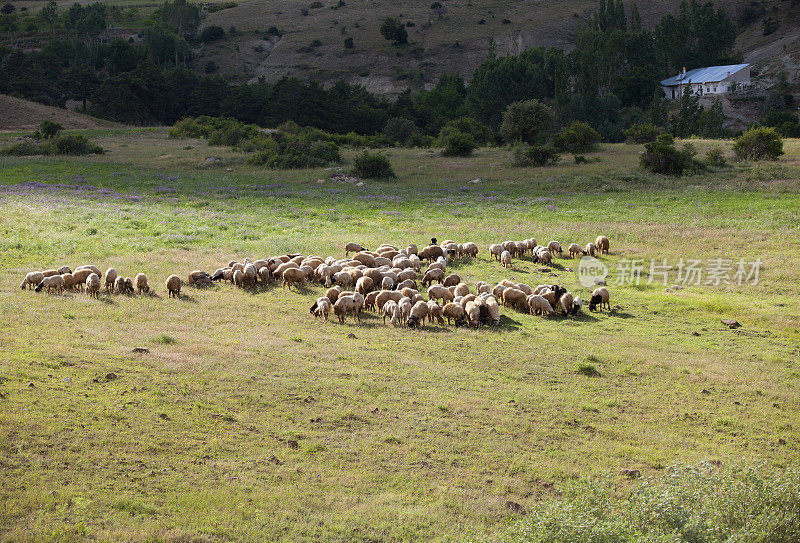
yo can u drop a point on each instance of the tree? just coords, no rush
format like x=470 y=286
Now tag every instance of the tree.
x=709 y=121
x=684 y=124
x=394 y=31
x=178 y=16
x=8 y=9
x=49 y=13
x=79 y=83
x=759 y=143
x=529 y=122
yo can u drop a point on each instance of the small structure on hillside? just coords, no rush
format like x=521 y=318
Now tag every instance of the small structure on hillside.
x=704 y=81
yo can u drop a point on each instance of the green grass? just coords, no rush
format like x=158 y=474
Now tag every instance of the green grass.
x=397 y=434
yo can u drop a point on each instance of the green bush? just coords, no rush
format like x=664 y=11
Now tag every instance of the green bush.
x=288 y=151
x=394 y=31
x=661 y=156
x=27 y=148
x=75 y=144
x=47 y=130
x=698 y=504
x=400 y=130
x=458 y=144
x=759 y=143
x=642 y=133
x=535 y=155
x=212 y=33
x=481 y=133
x=527 y=122
x=578 y=137
x=369 y=165
x=785 y=122
x=715 y=156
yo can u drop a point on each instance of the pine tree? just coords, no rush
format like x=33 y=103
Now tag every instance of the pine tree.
x=636 y=19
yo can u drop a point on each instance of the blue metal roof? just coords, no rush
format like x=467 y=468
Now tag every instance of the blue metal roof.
x=712 y=74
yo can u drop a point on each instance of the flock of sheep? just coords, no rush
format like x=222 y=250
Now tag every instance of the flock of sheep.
x=384 y=280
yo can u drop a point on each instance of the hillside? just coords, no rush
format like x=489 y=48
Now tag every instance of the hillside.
x=453 y=38
x=18 y=114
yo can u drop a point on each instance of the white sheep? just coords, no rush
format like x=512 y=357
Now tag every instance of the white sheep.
x=32 y=279
x=93 y=285
x=111 y=278
x=505 y=259
x=142 y=287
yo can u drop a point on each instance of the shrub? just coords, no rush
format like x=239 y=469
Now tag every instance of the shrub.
x=372 y=166
x=212 y=33
x=661 y=156
x=785 y=122
x=480 y=133
x=394 y=31
x=47 y=130
x=210 y=67
x=535 y=155
x=458 y=144
x=27 y=148
x=527 y=122
x=642 y=133
x=348 y=42
x=287 y=151
x=578 y=137
x=759 y=143
x=400 y=130
x=715 y=156
x=75 y=144
x=588 y=369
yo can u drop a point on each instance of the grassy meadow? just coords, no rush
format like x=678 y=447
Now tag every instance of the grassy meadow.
x=250 y=421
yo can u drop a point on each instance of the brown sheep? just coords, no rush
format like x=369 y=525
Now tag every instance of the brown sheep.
x=454 y=312
x=451 y=280
x=141 y=284
x=602 y=244
x=574 y=250
x=174 y=285
x=433 y=274
x=293 y=276
x=431 y=253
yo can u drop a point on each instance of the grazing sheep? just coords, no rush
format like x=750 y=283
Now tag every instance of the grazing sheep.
x=418 y=314
x=602 y=244
x=174 y=285
x=406 y=274
x=95 y=269
x=52 y=283
x=509 y=246
x=405 y=305
x=577 y=304
x=408 y=283
x=224 y=273
x=250 y=275
x=565 y=301
x=32 y=279
x=461 y=289
x=238 y=278
x=265 y=275
x=549 y=295
x=370 y=300
x=470 y=249
x=69 y=280
x=574 y=250
x=505 y=259
x=321 y=307
x=50 y=273
x=142 y=287
x=120 y=286
x=494 y=309
x=453 y=311
x=554 y=247
x=435 y=312
x=333 y=293
x=346 y=305
x=391 y=310
x=545 y=257
x=525 y=288
x=514 y=298
x=415 y=262
x=539 y=305
x=431 y=253
x=451 y=280
x=365 y=285
x=64 y=269
x=496 y=250
x=80 y=276
x=111 y=278
x=199 y=278
x=386 y=295
x=278 y=272
x=293 y=276
x=365 y=258
x=466 y=299
x=433 y=274
x=387 y=283
x=438 y=292
x=412 y=249
x=353 y=248
x=473 y=313
x=93 y=285
x=591 y=249
x=497 y=291
x=601 y=297
x=481 y=287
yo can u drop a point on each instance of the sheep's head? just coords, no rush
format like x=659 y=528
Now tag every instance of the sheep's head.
x=594 y=301
x=39 y=287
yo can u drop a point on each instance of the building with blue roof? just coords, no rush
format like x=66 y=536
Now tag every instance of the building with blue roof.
x=705 y=81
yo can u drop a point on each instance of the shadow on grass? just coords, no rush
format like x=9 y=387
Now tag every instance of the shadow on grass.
x=187 y=298
x=620 y=314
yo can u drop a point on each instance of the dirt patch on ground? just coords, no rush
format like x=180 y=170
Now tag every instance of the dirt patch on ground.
x=18 y=114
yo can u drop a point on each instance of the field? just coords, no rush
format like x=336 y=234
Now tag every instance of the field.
x=248 y=420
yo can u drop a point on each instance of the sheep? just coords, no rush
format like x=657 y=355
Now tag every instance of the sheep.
x=391 y=310
x=451 y=280
x=80 y=276
x=453 y=311
x=200 y=278
x=412 y=249
x=602 y=244
x=31 y=280
x=405 y=306
x=265 y=275
x=386 y=295
x=481 y=287
x=431 y=253
x=50 y=273
x=321 y=307
x=601 y=297
x=120 y=286
x=225 y=273
x=365 y=258
x=69 y=280
x=407 y=274
x=278 y=272
x=494 y=309
x=142 y=287
x=93 y=285
x=418 y=314
x=333 y=293
x=461 y=289
x=95 y=269
x=345 y=305
x=577 y=304
x=565 y=301
x=174 y=285
x=408 y=292
x=539 y=305
x=408 y=283
x=238 y=278
x=473 y=313
x=370 y=299
x=509 y=246
x=497 y=291
x=440 y=264
x=438 y=292
x=111 y=278
x=554 y=247
x=387 y=283
x=496 y=250
x=590 y=249
x=250 y=275
x=545 y=257
x=505 y=259
x=293 y=276
x=364 y=285
x=525 y=288
x=470 y=249
x=54 y=282
x=435 y=312
x=466 y=299
x=574 y=250
x=415 y=262
x=514 y=297
x=549 y=295
x=64 y=269
x=433 y=274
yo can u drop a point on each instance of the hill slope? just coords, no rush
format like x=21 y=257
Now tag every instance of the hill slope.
x=18 y=114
